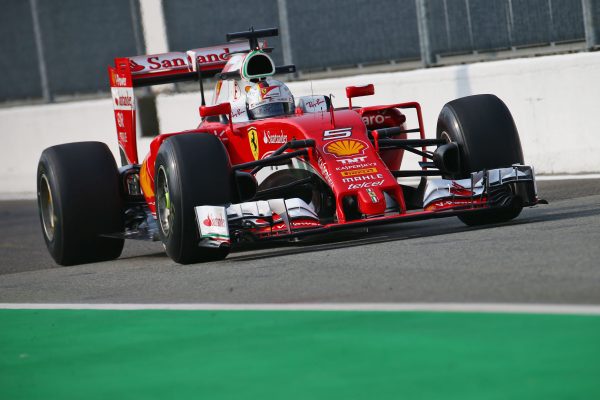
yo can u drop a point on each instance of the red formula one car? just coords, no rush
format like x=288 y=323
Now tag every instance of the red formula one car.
x=264 y=165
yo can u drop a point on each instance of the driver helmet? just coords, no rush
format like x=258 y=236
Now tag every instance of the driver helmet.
x=269 y=98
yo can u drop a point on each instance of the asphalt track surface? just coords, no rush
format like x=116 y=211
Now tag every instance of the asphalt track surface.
x=550 y=254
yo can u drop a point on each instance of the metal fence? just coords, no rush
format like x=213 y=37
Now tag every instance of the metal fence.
x=463 y=26
x=58 y=49
x=52 y=49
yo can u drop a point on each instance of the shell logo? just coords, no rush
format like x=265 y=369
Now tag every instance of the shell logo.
x=345 y=148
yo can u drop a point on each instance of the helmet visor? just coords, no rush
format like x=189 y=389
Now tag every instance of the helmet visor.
x=269 y=110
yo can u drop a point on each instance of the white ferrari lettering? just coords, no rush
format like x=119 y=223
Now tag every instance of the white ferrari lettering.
x=325 y=171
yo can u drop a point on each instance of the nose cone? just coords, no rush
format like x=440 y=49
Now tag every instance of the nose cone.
x=371 y=201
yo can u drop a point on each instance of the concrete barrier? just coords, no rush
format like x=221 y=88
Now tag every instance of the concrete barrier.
x=554 y=101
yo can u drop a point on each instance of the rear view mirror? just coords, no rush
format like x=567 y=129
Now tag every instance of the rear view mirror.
x=218 y=109
x=359 y=91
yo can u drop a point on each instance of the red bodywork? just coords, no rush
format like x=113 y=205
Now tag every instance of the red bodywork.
x=348 y=172
x=344 y=155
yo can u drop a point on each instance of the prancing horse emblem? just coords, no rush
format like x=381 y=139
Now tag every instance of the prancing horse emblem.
x=253 y=140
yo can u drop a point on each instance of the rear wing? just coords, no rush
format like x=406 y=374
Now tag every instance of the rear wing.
x=156 y=69
x=173 y=67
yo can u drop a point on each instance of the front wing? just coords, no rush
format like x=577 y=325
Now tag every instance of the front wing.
x=282 y=219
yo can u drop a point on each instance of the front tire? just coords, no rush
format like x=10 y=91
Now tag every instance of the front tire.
x=190 y=170
x=487 y=138
x=79 y=200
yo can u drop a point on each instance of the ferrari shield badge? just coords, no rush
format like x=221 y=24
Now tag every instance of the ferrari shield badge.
x=253 y=140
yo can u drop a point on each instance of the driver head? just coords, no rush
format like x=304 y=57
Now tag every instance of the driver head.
x=269 y=98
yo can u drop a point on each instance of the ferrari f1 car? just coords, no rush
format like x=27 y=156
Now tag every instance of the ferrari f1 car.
x=263 y=165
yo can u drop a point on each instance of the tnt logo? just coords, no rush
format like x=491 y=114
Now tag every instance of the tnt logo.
x=352 y=160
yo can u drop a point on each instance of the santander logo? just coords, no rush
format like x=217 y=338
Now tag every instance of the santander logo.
x=209 y=58
x=124 y=101
x=278 y=138
x=177 y=60
x=212 y=220
x=135 y=67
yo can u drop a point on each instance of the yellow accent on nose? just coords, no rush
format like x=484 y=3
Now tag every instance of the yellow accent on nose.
x=345 y=147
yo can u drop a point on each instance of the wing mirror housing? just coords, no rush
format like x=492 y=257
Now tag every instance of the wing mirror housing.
x=359 y=91
x=216 y=110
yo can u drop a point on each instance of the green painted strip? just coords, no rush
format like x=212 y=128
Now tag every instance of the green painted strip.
x=216 y=235
x=92 y=354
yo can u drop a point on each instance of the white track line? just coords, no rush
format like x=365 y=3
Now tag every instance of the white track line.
x=431 y=307
x=566 y=177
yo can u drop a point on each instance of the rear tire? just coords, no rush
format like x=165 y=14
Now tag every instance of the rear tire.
x=487 y=138
x=79 y=199
x=190 y=170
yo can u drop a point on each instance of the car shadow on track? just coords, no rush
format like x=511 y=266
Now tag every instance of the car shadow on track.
x=392 y=233
x=378 y=234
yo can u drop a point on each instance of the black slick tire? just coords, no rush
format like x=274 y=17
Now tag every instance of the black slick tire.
x=487 y=138
x=190 y=170
x=79 y=200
